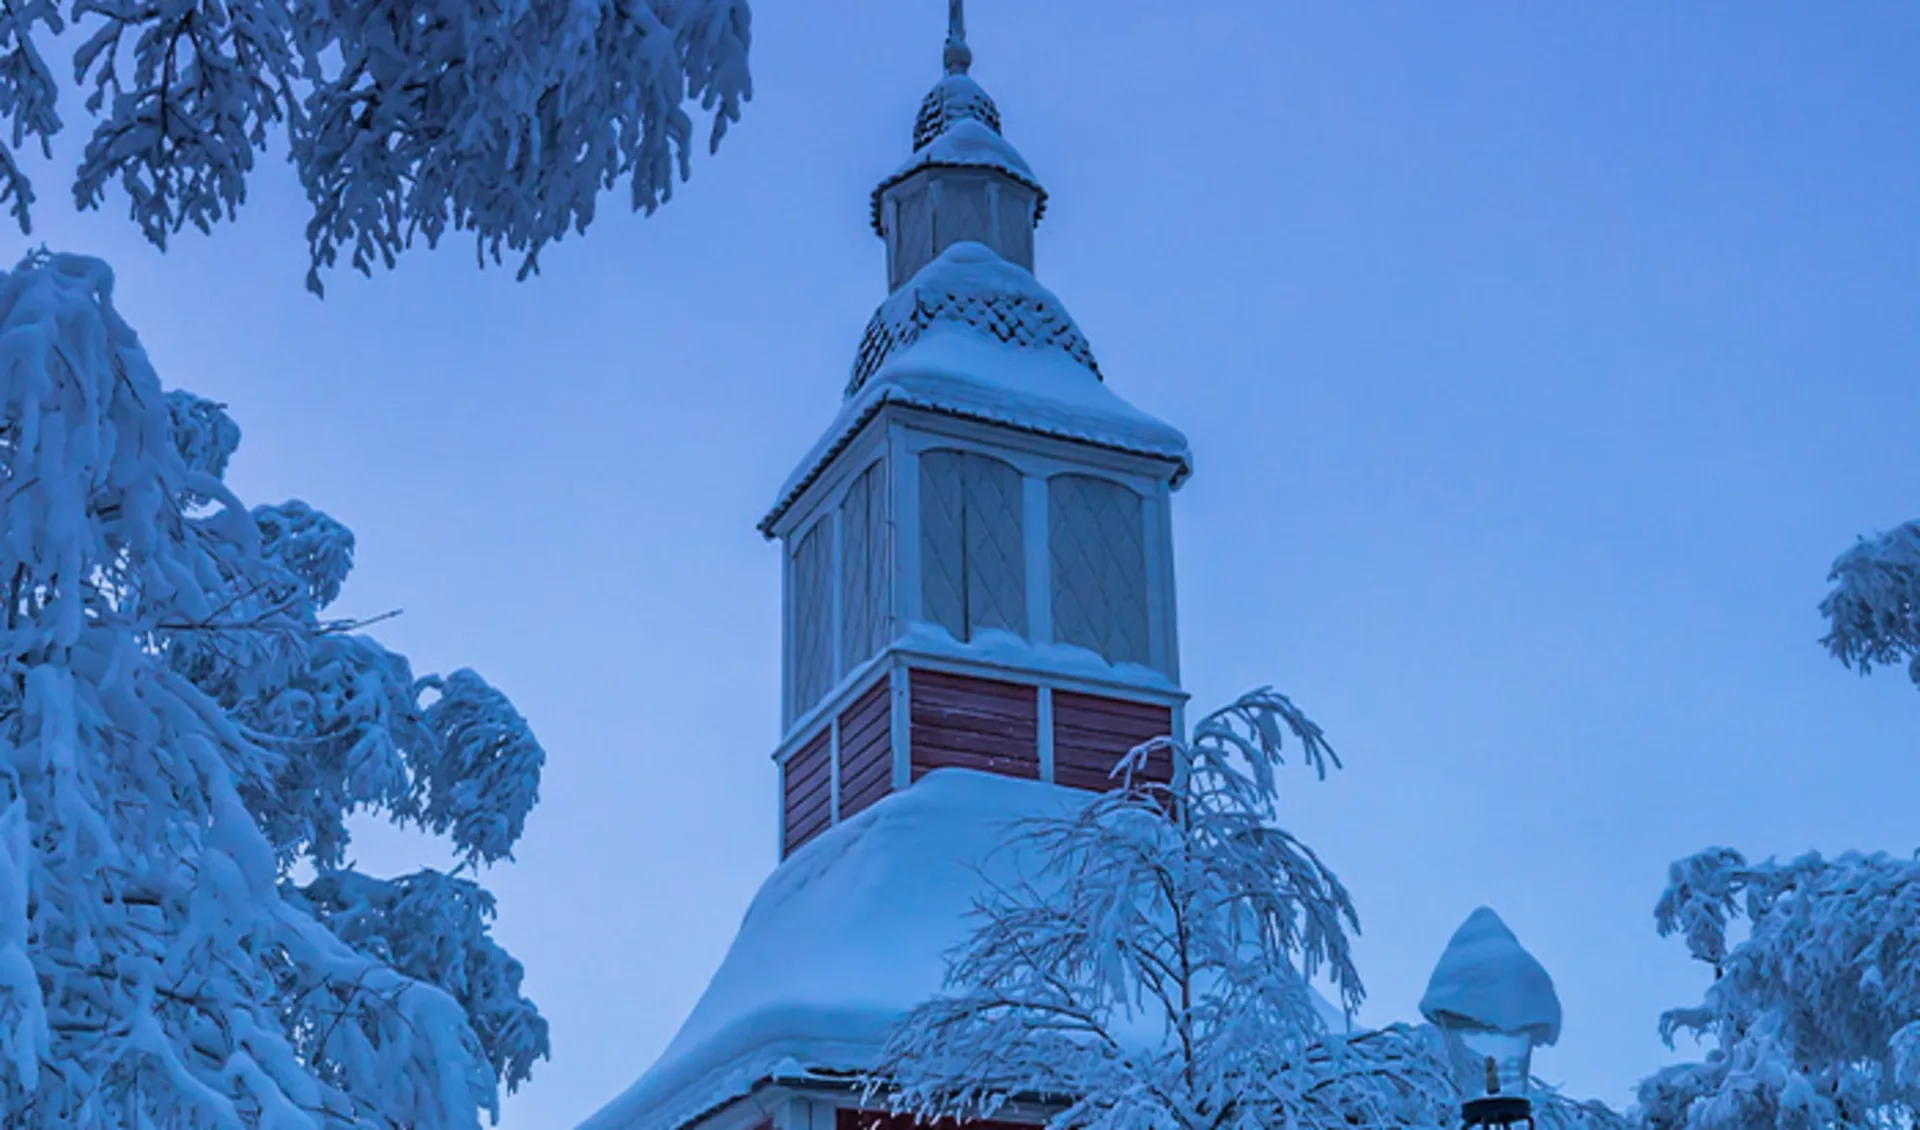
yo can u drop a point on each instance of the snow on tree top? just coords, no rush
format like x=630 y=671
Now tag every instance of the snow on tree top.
x=975 y=336
x=842 y=941
x=1487 y=978
x=969 y=143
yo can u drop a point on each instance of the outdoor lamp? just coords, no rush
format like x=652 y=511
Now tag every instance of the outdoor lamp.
x=1493 y=1003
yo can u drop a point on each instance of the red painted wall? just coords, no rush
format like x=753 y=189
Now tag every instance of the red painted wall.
x=961 y=722
x=866 y=749
x=807 y=786
x=1092 y=733
x=965 y=722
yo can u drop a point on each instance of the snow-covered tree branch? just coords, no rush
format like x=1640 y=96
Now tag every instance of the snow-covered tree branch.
x=403 y=118
x=1813 y=1019
x=1873 y=611
x=1152 y=970
x=180 y=728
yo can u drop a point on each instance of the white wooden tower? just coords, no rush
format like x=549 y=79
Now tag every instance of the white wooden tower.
x=978 y=557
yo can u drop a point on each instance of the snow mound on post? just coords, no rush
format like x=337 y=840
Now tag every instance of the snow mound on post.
x=842 y=941
x=1486 y=977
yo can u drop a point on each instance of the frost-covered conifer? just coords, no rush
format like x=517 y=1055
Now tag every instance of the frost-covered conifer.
x=1149 y=974
x=1873 y=612
x=1813 y=1019
x=506 y=118
x=183 y=732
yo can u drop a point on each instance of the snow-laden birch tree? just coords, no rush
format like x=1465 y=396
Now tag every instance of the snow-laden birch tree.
x=402 y=118
x=183 y=733
x=1873 y=610
x=1150 y=971
x=1812 y=1021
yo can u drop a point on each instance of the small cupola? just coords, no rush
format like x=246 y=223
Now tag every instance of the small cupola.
x=964 y=181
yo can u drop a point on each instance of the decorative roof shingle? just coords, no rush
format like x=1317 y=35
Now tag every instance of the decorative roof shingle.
x=971 y=286
x=955 y=98
x=965 y=144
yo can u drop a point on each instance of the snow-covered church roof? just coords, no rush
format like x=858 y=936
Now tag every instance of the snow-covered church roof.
x=975 y=336
x=841 y=942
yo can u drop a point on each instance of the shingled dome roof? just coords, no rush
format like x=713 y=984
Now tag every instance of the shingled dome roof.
x=955 y=98
x=977 y=337
x=971 y=286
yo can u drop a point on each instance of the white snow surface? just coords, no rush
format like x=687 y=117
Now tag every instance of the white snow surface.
x=842 y=941
x=1486 y=977
x=958 y=369
x=972 y=143
x=1005 y=649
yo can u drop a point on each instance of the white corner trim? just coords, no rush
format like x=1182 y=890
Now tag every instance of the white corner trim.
x=900 y=724
x=833 y=771
x=1045 y=720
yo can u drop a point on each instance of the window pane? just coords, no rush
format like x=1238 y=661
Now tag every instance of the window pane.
x=863 y=557
x=995 y=544
x=943 y=578
x=972 y=549
x=812 y=616
x=1097 y=547
x=1014 y=208
x=962 y=212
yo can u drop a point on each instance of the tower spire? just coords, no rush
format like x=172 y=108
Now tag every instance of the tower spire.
x=958 y=56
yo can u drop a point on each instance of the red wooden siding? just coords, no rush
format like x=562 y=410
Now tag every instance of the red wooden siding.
x=967 y=723
x=844 y=1119
x=1092 y=733
x=808 y=789
x=866 y=749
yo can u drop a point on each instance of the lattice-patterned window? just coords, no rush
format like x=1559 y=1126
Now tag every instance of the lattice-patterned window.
x=962 y=212
x=1013 y=215
x=1096 y=538
x=864 y=539
x=812 y=670
x=912 y=233
x=972 y=552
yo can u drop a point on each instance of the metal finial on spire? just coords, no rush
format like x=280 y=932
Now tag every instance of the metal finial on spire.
x=958 y=56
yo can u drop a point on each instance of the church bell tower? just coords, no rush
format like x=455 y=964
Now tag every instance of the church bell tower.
x=978 y=565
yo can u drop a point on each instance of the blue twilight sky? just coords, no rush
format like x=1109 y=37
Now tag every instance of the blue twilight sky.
x=1538 y=359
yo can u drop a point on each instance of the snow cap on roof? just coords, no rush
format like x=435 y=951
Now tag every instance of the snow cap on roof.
x=966 y=144
x=1487 y=979
x=968 y=284
x=977 y=337
x=957 y=95
x=844 y=939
